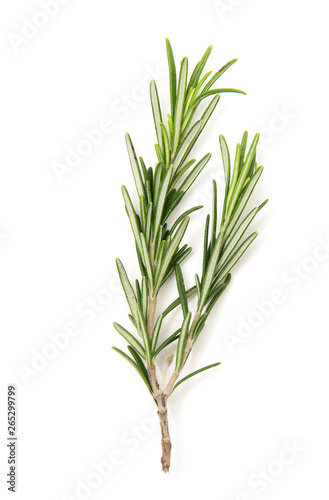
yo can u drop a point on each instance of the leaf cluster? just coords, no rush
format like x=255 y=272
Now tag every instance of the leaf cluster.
x=160 y=189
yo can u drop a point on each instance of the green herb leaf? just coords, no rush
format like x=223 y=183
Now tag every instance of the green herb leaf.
x=194 y=373
x=156 y=110
x=135 y=167
x=181 y=290
x=130 y=339
x=182 y=340
x=172 y=76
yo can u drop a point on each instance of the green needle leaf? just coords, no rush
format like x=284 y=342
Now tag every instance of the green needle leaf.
x=205 y=246
x=181 y=217
x=181 y=290
x=161 y=202
x=234 y=240
x=210 y=272
x=168 y=341
x=189 y=293
x=188 y=181
x=135 y=167
x=181 y=92
x=127 y=358
x=194 y=373
x=128 y=289
x=243 y=201
x=147 y=261
x=243 y=175
x=140 y=365
x=199 y=68
x=186 y=145
x=214 y=214
x=234 y=259
x=166 y=143
x=133 y=218
x=156 y=332
x=130 y=339
x=182 y=340
x=218 y=74
x=177 y=238
x=156 y=110
x=243 y=148
x=172 y=76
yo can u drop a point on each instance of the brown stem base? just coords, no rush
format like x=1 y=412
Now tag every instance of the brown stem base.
x=161 y=401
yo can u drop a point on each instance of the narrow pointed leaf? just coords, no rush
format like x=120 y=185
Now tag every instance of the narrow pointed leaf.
x=198 y=285
x=144 y=334
x=189 y=293
x=226 y=165
x=181 y=289
x=156 y=331
x=156 y=113
x=166 y=144
x=140 y=366
x=177 y=238
x=210 y=272
x=147 y=261
x=130 y=339
x=243 y=201
x=182 y=340
x=148 y=223
x=234 y=259
x=205 y=246
x=218 y=74
x=168 y=341
x=204 y=119
x=128 y=358
x=217 y=91
x=216 y=293
x=214 y=214
x=236 y=237
x=188 y=181
x=178 y=174
x=243 y=149
x=185 y=146
x=172 y=76
x=133 y=218
x=161 y=201
x=199 y=68
x=134 y=166
x=144 y=297
x=180 y=99
x=194 y=373
x=181 y=217
x=128 y=289
x=236 y=169
x=243 y=174
x=178 y=259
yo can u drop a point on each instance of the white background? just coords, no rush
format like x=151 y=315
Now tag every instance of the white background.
x=59 y=239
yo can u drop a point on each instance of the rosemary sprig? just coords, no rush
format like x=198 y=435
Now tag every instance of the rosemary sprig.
x=159 y=247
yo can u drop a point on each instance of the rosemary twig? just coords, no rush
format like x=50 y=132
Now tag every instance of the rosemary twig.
x=158 y=246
